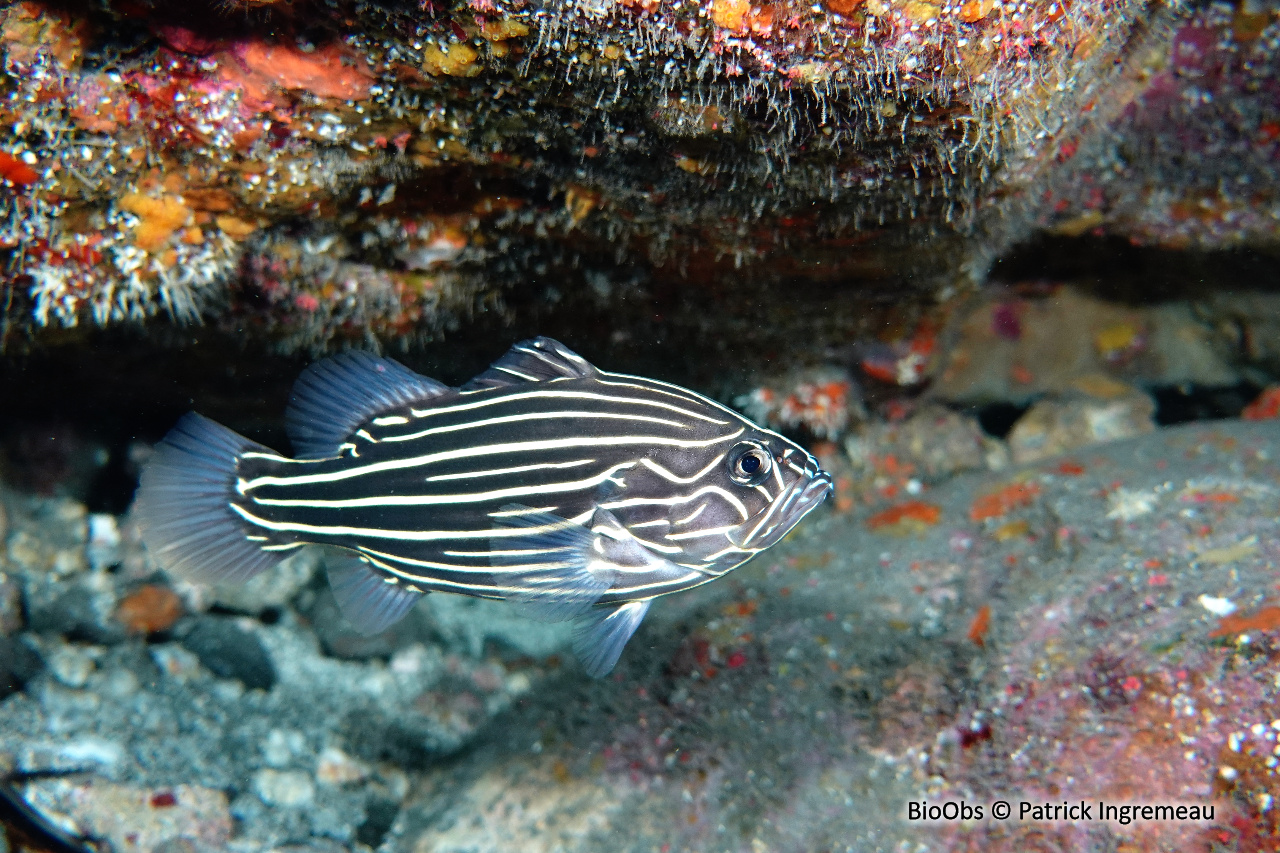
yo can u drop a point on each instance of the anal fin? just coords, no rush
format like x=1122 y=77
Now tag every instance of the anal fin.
x=369 y=603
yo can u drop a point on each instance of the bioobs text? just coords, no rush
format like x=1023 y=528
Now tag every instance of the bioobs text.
x=950 y=810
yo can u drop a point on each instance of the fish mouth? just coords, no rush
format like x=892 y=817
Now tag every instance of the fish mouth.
x=795 y=502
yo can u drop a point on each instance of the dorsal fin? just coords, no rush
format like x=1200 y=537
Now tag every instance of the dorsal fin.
x=335 y=396
x=534 y=360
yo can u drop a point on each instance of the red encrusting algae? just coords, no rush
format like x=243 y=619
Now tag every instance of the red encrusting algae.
x=17 y=172
x=978 y=628
x=1263 y=619
x=996 y=504
x=1265 y=406
x=906 y=515
x=909 y=515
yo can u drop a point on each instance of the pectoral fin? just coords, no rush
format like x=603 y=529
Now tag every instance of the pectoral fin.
x=621 y=548
x=549 y=566
x=558 y=570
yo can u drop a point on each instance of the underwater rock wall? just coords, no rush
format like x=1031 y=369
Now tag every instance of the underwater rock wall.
x=316 y=174
x=1190 y=160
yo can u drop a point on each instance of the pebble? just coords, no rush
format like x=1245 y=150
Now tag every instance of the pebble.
x=379 y=816
x=335 y=767
x=72 y=665
x=282 y=747
x=88 y=751
x=66 y=513
x=519 y=683
x=120 y=684
x=395 y=781
x=229 y=651
x=78 y=611
x=413 y=660
x=176 y=662
x=140 y=818
x=49 y=538
x=228 y=690
x=149 y=609
x=30 y=552
x=287 y=788
x=103 y=548
x=1217 y=606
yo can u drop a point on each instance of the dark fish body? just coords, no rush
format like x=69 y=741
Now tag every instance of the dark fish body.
x=574 y=492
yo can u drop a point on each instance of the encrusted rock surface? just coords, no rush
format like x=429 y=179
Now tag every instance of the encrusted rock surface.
x=1056 y=633
x=1015 y=347
x=1100 y=626
x=327 y=172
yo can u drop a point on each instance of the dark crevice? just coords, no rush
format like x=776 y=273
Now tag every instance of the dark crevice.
x=997 y=419
x=1114 y=269
x=380 y=814
x=1179 y=404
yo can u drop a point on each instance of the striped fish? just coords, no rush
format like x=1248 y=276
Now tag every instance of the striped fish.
x=576 y=493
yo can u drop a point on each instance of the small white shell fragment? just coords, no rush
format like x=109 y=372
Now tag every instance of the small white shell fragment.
x=103 y=530
x=1217 y=606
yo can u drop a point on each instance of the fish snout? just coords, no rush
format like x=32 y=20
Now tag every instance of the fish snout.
x=818 y=489
x=785 y=512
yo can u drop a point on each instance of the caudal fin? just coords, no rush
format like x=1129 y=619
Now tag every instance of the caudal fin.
x=184 y=509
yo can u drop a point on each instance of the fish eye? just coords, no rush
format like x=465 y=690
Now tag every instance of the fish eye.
x=749 y=463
